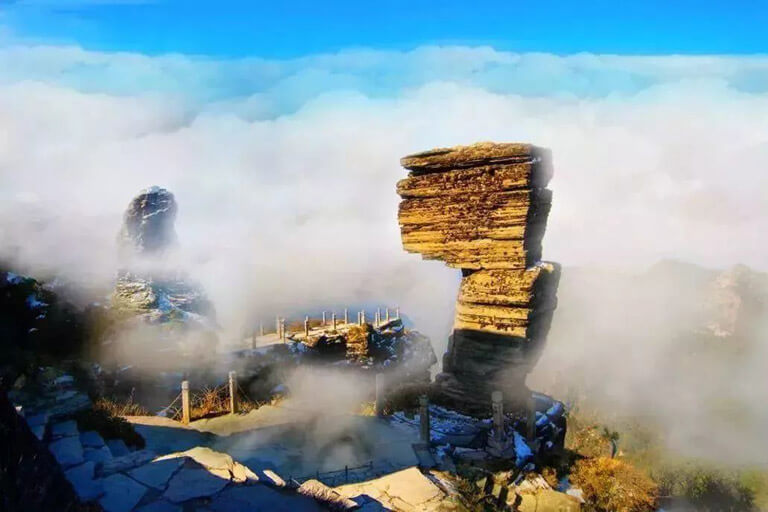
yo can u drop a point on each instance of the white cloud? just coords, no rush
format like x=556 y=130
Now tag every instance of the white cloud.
x=285 y=171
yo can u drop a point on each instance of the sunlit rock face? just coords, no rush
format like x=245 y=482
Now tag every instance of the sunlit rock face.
x=159 y=306
x=483 y=209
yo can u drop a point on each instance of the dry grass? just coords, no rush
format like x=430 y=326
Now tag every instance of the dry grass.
x=211 y=402
x=106 y=418
x=614 y=485
x=116 y=407
x=367 y=409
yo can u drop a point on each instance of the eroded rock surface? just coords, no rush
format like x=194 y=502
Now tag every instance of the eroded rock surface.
x=154 y=298
x=483 y=208
x=148 y=223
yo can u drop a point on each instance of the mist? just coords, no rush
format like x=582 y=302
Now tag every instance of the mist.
x=285 y=172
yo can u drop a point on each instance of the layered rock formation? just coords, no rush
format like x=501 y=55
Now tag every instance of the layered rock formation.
x=483 y=208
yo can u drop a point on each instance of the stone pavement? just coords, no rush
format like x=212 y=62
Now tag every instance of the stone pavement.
x=173 y=473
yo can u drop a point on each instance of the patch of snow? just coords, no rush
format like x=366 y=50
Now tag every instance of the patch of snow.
x=12 y=278
x=523 y=452
x=33 y=303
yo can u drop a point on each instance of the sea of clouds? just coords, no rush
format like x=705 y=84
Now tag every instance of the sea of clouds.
x=285 y=170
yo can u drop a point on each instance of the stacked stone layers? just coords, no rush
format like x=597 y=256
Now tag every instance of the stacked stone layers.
x=483 y=209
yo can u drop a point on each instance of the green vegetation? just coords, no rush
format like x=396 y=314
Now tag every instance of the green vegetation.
x=706 y=487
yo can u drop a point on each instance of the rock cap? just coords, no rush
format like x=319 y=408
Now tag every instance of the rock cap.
x=480 y=153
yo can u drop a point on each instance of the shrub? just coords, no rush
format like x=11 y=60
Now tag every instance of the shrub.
x=115 y=407
x=108 y=425
x=212 y=402
x=209 y=402
x=613 y=485
x=706 y=487
x=404 y=397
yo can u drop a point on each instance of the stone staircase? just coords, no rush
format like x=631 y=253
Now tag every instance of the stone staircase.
x=124 y=480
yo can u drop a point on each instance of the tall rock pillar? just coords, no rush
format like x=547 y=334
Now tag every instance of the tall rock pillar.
x=483 y=209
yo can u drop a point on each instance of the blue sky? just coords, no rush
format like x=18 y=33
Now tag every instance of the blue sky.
x=301 y=27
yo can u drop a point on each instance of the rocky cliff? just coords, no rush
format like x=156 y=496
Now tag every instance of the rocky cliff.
x=37 y=325
x=483 y=209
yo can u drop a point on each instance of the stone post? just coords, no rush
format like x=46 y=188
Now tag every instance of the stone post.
x=397 y=313
x=379 y=407
x=362 y=317
x=530 y=433
x=346 y=318
x=333 y=320
x=282 y=329
x=232 y=392
x=185 y=416
x=497 y=405
x=306 y=327
x=424 y=419
x=323 y=319
x=378 y=316
x=386 y=312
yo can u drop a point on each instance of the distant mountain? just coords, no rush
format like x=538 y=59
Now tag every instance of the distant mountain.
x=670 y=294
x=737 y=302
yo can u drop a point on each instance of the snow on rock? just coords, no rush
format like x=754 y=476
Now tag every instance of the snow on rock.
x=151 y=291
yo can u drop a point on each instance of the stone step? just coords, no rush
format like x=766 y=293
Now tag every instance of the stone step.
x=121 y=493
x=98 y=455
x=126 y=462
x=84 y=481
x=92 y=439
x=38 y=424
x=64 y=429
x=67 y=451
x=117 y=447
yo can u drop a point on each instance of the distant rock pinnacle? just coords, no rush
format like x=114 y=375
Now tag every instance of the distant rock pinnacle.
x=148 y=223
x=154 y=291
